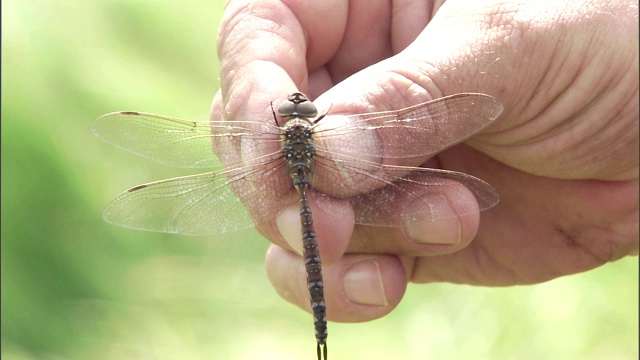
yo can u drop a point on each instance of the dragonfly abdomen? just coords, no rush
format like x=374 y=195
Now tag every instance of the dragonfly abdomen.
x=313 y=266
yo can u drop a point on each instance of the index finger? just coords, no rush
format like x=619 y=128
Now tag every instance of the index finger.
x=267 y=49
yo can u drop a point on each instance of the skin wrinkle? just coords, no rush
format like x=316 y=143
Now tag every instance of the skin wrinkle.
x=556 y=106
x=428 y=84
x=271 y=23
x=612 y=149
x=273 y=30
x=460 y=52
x=507 y=274
x=510 y=40
x=239 y=63
x=622 y=128
x=546 y=95
x=561 y=138
x=225 y=23
x=475 y=275
x=570 y=237
x=573 y=134
x=398 y=93
x=591 y=244
x=535 y=139
x=479 y=257
x=576 y=239
x=305 y=32
x=596 y=238
x=633 y=141
x=490 y=262
x=236 y=100
x=593 y=238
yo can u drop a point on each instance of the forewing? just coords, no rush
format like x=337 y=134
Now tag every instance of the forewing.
x=418 y=130
x=184 y=143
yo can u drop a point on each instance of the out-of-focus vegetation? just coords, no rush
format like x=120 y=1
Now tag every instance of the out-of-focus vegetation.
x=74 y=287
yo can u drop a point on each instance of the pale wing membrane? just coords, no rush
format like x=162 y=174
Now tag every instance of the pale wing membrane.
x=184 y=143
x=257 y=188
x=205 y=204
x=403 y=194
x=402 y=133
x=423 y=196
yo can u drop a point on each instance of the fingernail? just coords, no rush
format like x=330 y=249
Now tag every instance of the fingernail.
x=441 y=226
x=363 y=284
x=288 y=224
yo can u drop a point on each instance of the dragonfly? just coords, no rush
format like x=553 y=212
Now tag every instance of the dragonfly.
x=260 y=168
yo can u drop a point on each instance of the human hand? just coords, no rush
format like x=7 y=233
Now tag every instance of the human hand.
x=563 y=156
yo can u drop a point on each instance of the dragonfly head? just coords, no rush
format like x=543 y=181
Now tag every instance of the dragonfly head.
x=298 y=104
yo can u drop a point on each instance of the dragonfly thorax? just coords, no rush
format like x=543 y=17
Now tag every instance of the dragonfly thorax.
x=298 y=148
x=297 y=136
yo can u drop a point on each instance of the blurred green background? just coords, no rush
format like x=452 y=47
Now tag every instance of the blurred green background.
x=74 y=287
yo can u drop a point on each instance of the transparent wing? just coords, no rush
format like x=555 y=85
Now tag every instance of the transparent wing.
x=206 y=204
x=401 y=133
x=184 y=143
x=398 y=133
x=257 y=188
x=425 y=195
x=402 y=194
x=214 y=203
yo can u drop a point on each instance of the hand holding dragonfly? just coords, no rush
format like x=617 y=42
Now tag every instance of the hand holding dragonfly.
x=563 y=155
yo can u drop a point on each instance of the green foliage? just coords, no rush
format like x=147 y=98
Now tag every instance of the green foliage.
x=74 y=287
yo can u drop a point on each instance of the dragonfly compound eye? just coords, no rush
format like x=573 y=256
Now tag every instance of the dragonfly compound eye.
x=307 y=109
x=298 y=105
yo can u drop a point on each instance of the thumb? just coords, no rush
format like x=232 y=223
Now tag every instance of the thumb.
x=552 y=65
x=453 y=54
